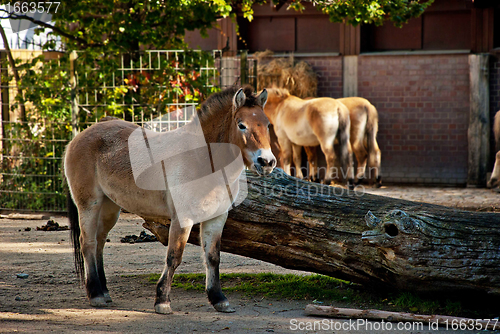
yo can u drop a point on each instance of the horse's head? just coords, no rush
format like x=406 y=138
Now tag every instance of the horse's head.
x=250 y=131
x=495 y=175
x=276 y=96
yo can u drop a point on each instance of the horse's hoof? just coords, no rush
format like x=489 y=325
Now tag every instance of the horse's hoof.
x=98 y=302
x=107 y=298
x=163 y=309
x=224 y=307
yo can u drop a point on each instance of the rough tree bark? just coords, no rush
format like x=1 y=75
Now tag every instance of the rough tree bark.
x=363 y=238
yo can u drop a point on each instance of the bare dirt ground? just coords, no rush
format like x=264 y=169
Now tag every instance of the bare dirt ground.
x=50 y=299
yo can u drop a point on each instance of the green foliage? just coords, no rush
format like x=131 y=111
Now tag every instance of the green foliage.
x=35 y=146
x=356 y=12
x=97 y=26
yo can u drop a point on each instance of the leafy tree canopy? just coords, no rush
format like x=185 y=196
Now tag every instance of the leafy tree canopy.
x=130 y=25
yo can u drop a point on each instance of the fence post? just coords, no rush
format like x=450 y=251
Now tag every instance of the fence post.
x=74 y=93
x=243 y=67
x=4 y=100
x=479 y=120
x=255 y=74
x=350 y=76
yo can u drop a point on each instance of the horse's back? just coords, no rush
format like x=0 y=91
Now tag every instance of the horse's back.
x=328 y=111
x=98 y=141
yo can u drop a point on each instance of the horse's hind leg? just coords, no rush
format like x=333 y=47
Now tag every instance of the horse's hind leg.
x=374 y=159
x=89 y=227
x=362 y=158
x=211 y=232
x=327 y=147
x=177 y=239
x=107 y=219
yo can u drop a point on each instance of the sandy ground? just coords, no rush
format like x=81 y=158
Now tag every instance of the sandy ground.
x=474 y=199
x=51 y=299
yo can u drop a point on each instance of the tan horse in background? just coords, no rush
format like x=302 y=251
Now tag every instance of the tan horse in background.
x=98 y=168
x=495 y=175
x=364 y=128
x=312 y=122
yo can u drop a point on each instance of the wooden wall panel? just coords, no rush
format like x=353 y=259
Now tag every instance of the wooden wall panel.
x=447 y=30
x=273 y=33
x=389 y=37
x=315 y=33
x=195 y=41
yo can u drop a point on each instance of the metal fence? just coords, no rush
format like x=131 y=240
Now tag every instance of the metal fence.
x=156 y=89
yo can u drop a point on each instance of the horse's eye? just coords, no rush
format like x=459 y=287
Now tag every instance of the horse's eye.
x=241 y=126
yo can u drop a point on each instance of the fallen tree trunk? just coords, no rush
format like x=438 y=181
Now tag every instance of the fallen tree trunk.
x=362 y=238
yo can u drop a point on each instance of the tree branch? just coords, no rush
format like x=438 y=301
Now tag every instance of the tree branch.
x=57 y=30
x=16 y=73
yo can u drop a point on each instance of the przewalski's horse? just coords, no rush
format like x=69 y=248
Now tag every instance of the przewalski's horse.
x=363 y=138
x=495 y=175
x=364 y=128
x=311 y=122
x=98 y=169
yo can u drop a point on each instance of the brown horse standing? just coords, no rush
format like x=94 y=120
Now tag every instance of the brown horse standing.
x=311 y=122
x=495 y=175
x=98 y=169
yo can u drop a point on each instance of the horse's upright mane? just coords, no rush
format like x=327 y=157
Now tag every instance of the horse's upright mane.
x=221 y=102
x=279 y=92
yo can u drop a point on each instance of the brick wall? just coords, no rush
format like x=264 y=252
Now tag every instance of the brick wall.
x=329 y=70
x=423 y=105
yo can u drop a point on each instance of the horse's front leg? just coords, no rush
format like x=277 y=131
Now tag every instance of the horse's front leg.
x=286 y=153
x=177 y=239
x=297 y=160
x=211 y=232
x=312 y=158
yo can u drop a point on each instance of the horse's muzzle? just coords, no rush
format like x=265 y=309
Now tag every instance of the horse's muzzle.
x=264 y=167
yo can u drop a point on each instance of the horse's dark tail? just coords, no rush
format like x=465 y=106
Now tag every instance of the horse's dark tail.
x=374 y=155
x=344 y=133
x=75 y=236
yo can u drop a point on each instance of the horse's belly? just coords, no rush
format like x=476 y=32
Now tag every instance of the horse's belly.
x=302 y=137
x=124 y=192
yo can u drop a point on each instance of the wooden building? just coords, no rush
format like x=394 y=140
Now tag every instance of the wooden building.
x=435 y=82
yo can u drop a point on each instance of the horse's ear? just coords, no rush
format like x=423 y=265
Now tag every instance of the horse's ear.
x=262 y=98
x=239 y=99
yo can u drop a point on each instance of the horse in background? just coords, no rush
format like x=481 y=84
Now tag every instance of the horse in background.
x=495 y=175
x=311 y=122
x=98 y=169
x=364 y=129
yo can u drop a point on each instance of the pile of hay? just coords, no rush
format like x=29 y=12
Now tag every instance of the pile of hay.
x=298 y=77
